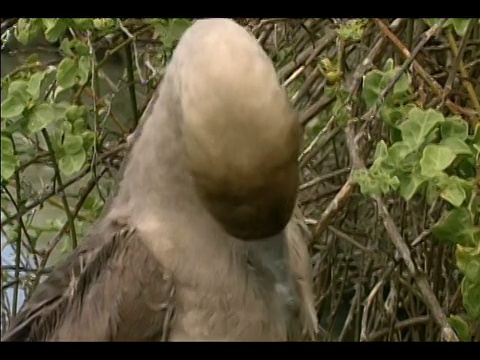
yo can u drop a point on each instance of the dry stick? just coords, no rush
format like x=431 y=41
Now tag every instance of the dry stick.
x=392 y=230
x=320 y=44
x=306 y=86
x=85 y=192
x=419 y=320
x=432 y=32
x=369 y=300
x=432 y=83
x=24 y=269
x=309 y=148
x=342 y=196
x=367 y=64
x=29 y=244
x=458 y=61
x=16 y=204
x=328 y=133
x=353 y=309
x=351 y=240
x=86 y=169
x=422 y=283
x=6 y=24
x=18 y=250
x=71 y=220
x=425 y=290
x=314 y=110
x=323 y=178
x=262 y=39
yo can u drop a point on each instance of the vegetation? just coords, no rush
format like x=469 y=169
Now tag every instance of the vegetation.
x=390 y=164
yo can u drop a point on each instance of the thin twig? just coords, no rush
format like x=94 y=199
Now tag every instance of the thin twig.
x=71 y=220
x=86 y=169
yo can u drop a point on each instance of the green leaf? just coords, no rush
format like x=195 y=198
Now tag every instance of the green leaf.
x=66 y=127
x=55 y=28
x=352 y=30
x=471 y=294
x=104 y=23
x=388 y=65
x=20 y=125
x=83 y=69
x=67 y=73
x=35 y=83
x=419 y=125
x=340 y=113
x=454 y=192
x=93 y=205
x=402 y=85
x=454 y=126
x=75 y=111
x=432 y=21
x=456 y=227
x=48 y=22
x=72 y=144
x=397 y=154
x=27 y=29
x=12 y=106
x=461 y=327
x=7 y=146
x=19 y=88
x=71 y=163
x=80 y=47
x=475 y=138
x=83 y=23
x=65 y=47
x=465 y=168
x=460 y=25
x=366 y=183
x=88 y=139
x=41 y=116
x=9 y=164
x=436 y=158
x=9 y=160
x=21 y=31
x=17 y=99
x=372 y=87
x=392 y=116
x=410 y=183
x=468 y=262
x=78 y=125
x=60 y=110
x=440 y=178
x=458 y=146
x=432 y=192
x=174 y=30
x=381 y=151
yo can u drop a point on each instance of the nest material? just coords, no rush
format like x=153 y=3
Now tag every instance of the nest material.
x=364 y=288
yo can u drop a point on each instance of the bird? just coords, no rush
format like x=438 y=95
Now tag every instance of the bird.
x=204 y=239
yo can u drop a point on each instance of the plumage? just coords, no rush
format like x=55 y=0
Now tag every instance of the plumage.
x=200 y=242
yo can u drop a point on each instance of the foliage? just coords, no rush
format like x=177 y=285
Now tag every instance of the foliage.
x=432 y=154
x=420 y=141
x=54 y=115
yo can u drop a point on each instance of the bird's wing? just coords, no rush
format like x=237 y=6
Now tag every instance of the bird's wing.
x=110 y=289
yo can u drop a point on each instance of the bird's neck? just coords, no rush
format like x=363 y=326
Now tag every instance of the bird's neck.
x=155 y=176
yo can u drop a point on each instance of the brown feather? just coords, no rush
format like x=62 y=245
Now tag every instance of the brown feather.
x=110 y=289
